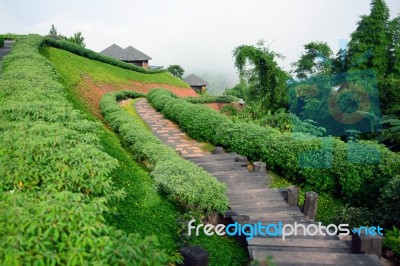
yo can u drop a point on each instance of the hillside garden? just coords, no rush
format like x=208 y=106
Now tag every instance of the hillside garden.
x=84 y=181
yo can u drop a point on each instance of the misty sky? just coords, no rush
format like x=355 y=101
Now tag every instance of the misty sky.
x=198 y=35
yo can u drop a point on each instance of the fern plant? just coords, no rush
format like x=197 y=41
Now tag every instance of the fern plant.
x=392 y=240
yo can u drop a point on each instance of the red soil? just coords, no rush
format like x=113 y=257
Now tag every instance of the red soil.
x=93 y=92
x=216 y=106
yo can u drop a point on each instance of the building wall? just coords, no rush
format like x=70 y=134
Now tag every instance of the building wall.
x=141 y=63
x=199 y=89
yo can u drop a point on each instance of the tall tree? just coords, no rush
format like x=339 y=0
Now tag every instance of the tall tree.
x=78 y=39
x=176 y=70
x=53 y=32
x=315 y=60
x=259 y=70
x=394 y=48
x=369 y=43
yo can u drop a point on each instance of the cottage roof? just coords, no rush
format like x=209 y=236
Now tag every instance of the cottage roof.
x=127 y=54
x=194 y=80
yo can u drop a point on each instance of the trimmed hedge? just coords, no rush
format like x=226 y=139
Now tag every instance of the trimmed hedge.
x=183 y=182
x=55 y=179
x=81 y=51
x=212 y=99
x=359 y=172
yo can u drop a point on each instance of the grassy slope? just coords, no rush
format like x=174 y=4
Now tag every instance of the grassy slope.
x=143 y=211
x=101 y=72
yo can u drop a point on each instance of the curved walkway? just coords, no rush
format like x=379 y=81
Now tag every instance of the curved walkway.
x=169 y=133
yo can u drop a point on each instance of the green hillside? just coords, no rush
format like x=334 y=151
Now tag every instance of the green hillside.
x=75 y=66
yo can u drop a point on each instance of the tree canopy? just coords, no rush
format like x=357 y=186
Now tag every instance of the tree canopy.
x=176 y=70
x=265 y=80
x=315 y=60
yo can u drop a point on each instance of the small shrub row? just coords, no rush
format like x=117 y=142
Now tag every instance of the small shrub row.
x=55 y=179
x=183 y=182
x=212 y=99
x=362 y=172
x=81 y=51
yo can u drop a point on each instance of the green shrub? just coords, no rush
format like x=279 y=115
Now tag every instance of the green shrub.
x=392 y=240
x=212 y=99
x=65 y=228
x=183 y=182
x=55 y=178
x=79 y=50
x=357 y=171
x=229 y=110
x=1 y=41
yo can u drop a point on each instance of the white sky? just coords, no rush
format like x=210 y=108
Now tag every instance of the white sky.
x=198 y=35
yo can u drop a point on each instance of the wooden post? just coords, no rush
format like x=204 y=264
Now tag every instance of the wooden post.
x=292 y=195
x=218 y=150
x=194 y=256
x=242 y=159
x=310 y=205
x=259 y=167
x=366 y=244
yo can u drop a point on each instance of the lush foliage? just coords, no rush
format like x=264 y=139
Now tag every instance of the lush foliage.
x=212 y=99
x=392 y=240
x=183 y=182
x=1 y=41
x=265 y=80
x=79 y=50
x=222 y=250
x=360 y=172
x=364 y=77
x=176 y=70
x=316 y=60
x=56 y=182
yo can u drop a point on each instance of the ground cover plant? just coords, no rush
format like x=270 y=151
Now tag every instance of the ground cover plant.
x=212 y=99
x=56 y=179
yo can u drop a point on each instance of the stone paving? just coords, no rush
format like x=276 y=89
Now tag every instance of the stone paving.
x=168 y=132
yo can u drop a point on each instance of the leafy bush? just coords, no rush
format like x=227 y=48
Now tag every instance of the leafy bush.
x=183 y=182
x=229 y=110
x=392 y=240
x=212 y=99
x=1 y=41
x=357 y=171
x=56 y=180
x=79 y=50
x=65 y=228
